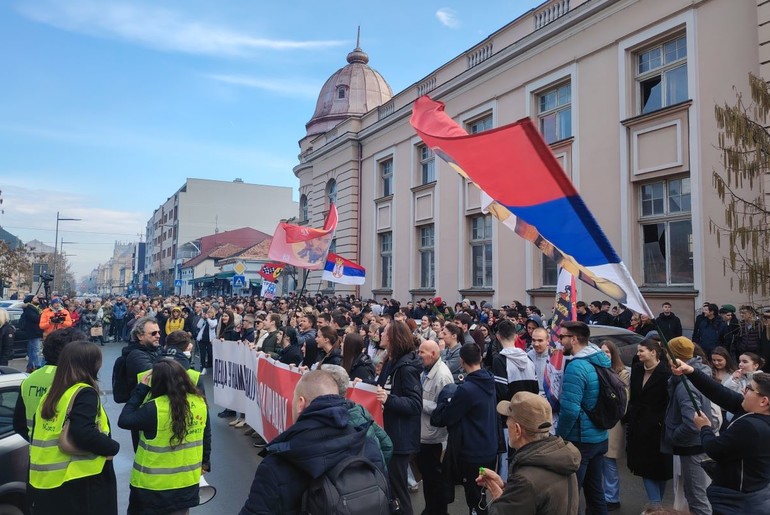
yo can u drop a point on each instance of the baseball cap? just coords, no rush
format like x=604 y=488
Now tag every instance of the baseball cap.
x=529 y=410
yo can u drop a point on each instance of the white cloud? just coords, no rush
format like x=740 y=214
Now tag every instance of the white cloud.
x=284 y=87
x=157 y=28
x=448 y=17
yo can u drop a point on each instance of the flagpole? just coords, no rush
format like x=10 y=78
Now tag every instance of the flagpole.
x=674 y=360
x=301 y=291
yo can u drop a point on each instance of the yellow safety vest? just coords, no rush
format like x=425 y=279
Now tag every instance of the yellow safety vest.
x=160 y=466
x=33 y=388
x=48 y=466
x=194 y=375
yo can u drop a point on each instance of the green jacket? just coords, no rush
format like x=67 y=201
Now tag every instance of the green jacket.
x=358 y=417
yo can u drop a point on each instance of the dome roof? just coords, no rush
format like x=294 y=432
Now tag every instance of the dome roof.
x=352 y=90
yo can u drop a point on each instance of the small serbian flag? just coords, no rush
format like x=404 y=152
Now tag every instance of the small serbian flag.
x=343 y=271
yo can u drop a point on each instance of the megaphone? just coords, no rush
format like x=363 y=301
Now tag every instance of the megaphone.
x=206 y=492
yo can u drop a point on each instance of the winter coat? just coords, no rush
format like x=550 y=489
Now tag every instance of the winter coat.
x=362 y=368
x=139 y=358
x=360 y=417
x=320 y=438
x=48 y=326
x=541 y=480
x=749 y=341
x=473 y=409
x=334 y=357
x=669 y=325
x=426 y=334
x=271 y=345
x=401 y=411
x=291 y=355
x=433 y=381
x=644 y=423
x=207 y=323
x=709 y=333
x=451 y=359
x=681 y=436
x=30 y=320
x=580 y=392
x=6 y=343
x=119 y=310
x=540 y=361
x=616 y=440
x=514 y=372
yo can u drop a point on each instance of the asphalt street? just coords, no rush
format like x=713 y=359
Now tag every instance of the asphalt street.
x=234 y=459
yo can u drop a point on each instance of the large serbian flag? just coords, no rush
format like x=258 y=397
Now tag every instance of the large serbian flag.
x=303 y=247
x=343 y=271
x=531 y=194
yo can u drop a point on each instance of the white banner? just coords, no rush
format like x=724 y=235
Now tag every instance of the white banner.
x=234 y=375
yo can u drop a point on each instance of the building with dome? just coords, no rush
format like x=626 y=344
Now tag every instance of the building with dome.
x=622 y=90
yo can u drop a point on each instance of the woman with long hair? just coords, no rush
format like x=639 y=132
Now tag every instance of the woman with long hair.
x=226 y=327
x=400 y=392
x=174 y=444
x=66 y=483
x=355 y=361
x=328 y=343
x=617 y=437
x=648 y=400
x=723 y=365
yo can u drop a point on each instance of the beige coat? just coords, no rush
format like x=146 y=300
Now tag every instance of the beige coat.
x=438 y=377
x=616 y=441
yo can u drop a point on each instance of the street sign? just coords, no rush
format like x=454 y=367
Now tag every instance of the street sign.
x=239 y=281
x=177 y=283
x=159 y=284
x=239 y=268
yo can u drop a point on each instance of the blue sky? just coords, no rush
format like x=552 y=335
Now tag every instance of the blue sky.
x=106 y=107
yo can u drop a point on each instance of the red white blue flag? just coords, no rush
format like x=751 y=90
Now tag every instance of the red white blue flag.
x=530 y=193
x=343 y=271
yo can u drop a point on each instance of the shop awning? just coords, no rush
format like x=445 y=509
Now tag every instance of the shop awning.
x=225 y=275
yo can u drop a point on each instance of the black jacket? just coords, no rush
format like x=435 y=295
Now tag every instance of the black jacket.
x=401 y=414
x=291 y=355
x=333 y=358
x=30 y=321
x=6 y=343
x=318 y=440
x=670 y=325
x=362 y=368
x=138 y=359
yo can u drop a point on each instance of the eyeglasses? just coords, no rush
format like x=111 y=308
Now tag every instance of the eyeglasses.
x=562 y=336
x=155 y=333
x=749 y=388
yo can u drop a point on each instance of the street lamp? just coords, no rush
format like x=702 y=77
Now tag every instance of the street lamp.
x=61 y=253
x=56 y=242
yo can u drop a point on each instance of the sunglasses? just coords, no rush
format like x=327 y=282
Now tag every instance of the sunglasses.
x=154 y=333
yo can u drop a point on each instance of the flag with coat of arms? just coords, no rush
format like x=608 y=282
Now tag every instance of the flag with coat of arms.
x=344 y=271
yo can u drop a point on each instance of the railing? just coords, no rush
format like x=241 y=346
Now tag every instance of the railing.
x=425 y=87
x=551 y=12
x=385 y=110
x=479 y=55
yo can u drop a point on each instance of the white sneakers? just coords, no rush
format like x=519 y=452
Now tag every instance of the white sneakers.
x=237 y=421
x=203 y=371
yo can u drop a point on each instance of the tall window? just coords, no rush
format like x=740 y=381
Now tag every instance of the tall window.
x=386 y=260
x=481 y=251
x=303 y=214
x=331 y=191
x=427 y=165
x=550 y=271
x=386 y=176
x=427 y=257
x=661 y=73
x=341 y=92
x=554 y=113
x=666 y=224
x=480 y=124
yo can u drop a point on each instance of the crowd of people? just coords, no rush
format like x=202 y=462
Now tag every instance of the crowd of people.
x=464 y=398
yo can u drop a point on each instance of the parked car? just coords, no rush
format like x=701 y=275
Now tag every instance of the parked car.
x=626 y=341
x=14 y=450
x=11 y=304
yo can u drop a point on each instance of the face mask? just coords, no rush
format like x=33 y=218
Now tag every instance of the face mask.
x=187 y=353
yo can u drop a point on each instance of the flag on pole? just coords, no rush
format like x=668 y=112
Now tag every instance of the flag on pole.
x=268 y=290
x=564 y=309
x=303 y=247
x=548 y=212
x=343 y=271
x=271 y=271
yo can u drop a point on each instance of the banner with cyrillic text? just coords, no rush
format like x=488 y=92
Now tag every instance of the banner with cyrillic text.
x=234 y=375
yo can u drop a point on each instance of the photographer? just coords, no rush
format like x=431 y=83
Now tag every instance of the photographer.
x=54 y=317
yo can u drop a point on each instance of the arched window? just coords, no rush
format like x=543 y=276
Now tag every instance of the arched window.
x=303 y=215
x=331 y=192
x=341 y=92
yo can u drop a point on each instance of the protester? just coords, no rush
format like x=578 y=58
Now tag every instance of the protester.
x=452 y=334
x=54 y=317
x=327 y=342
x=616 y=438
x=30 y=323
x=64 y=483
x=175 y=442
x=355 y=361
x=206 y=333
x=542 y=478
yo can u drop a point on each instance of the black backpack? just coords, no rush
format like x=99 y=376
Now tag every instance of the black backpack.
x=354 y=486
x=611 y=404
x=121 y=387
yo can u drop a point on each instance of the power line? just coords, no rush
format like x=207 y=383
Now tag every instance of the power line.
x=77 y=232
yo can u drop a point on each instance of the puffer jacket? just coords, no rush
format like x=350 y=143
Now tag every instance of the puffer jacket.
x=580 y=392
x=680 y=434
x=542 y=480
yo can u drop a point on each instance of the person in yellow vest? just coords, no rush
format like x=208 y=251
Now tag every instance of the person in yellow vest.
x=174 y=441
x=39 y=382
x=61 y=483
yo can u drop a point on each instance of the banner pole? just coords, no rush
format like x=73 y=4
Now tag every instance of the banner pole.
x=675 y=360
x=301 y=291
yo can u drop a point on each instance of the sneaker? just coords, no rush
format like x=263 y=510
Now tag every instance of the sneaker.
x=250 y=431
x=203 y=371
x=236 y=421
x=226 y=413
x=260 y=442
x=241 y=423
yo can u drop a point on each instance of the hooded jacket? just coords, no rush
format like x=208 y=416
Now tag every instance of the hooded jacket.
x=540 y=361
x=473 y=409
x=319 y=439
x=514 y=372
x=681 y=436
x=542 y=480
x=580 y=392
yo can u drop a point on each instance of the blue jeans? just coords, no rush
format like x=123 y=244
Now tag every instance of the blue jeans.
x=34 y=360
x=502 y=469
x=611 y=480
x=590 y=477
x=656 y=489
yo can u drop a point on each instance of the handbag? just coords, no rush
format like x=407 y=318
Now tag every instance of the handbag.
x=66 y=444
x=97 y=331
